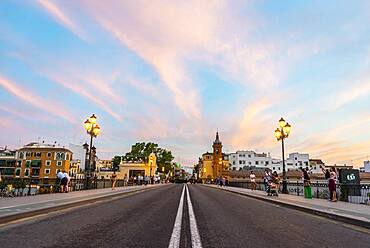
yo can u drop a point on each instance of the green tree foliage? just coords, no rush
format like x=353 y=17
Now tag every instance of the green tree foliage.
x=116 y=161
x=142 y=150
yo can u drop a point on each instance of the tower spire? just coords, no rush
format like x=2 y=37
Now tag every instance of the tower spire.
x=217 y=141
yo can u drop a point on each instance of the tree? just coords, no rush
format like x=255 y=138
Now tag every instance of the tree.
x=116 y=161
x=142 y=150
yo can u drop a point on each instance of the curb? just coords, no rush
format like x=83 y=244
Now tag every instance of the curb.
x=332 y=216
x=31 y=213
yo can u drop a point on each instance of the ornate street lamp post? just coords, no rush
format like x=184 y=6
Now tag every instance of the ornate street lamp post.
x=93 y=130
x=281 y=133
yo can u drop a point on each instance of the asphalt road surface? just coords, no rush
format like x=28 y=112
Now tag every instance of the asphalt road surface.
x=212 y=218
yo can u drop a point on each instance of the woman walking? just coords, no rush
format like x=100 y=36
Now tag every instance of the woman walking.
x=114 y=180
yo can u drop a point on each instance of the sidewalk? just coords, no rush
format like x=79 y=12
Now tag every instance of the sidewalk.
x=21 y=207
x=343 y=211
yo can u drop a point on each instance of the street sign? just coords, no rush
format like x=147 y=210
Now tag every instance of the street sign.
x=349 y=177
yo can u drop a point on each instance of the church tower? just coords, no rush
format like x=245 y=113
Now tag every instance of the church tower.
x=217 y=157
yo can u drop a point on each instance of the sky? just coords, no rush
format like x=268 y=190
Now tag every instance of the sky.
x=175 y=72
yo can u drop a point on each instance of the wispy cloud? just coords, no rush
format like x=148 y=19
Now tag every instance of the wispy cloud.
x=62 y=18
x=30 y=98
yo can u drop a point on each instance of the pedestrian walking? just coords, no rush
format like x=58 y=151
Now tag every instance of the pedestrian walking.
x=252 y=177
x=125 y=180
x=114 y=180
x=224 y=181
x=266 y=179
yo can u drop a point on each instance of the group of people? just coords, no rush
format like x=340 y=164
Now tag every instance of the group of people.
x=221 y=181
x=63 y=179
x=270 y=179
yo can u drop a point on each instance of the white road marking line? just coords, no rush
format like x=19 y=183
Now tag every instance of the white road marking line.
x=195 y=238
x=176 y=233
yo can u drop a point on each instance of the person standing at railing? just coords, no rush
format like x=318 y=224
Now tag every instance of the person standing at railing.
x=306 y=184
x=333 y=185
x=66 y=179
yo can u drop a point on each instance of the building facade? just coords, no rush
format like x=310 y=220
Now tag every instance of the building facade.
x=7 y=163
x=246 y=160
x=41 y=161
x=249 y=160
x=215 y=164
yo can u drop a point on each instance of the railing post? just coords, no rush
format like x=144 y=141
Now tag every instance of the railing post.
x=298 y=188
x=317 y=189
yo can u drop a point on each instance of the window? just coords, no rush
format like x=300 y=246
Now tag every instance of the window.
x=240 y=162
x=233 y=162
x=47 y=171
x=19 y=163
x=267 y=162
x=273 y=168
x=279 y=168
x=21 y=155
x=27 y=172
x=28 y=163
x=296 y=158
x=47 y=162
x=36 y=163
x=250 y=163
x=67 y=156
x=17 y=172
x=38 y=154
x=60 y=156
x=249 y=156
x=57 y=171
x=59 y=163
x=49 y=154
x=28 y=154
x=256 y=162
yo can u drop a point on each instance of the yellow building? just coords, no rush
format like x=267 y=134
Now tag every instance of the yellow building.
x=213 y=165
x=140 y=167
x=41 y=161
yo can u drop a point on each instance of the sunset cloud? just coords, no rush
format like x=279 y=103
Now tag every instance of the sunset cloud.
x=32 y=99
x=175 y=72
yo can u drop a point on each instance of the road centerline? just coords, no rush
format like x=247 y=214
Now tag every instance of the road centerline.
x=176 y=233
x=195 y=237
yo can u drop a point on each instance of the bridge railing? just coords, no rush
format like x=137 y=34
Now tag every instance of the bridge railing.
x=355 y=193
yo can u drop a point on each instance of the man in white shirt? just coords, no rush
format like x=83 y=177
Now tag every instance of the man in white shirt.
x=60 y=176
x=64 y=182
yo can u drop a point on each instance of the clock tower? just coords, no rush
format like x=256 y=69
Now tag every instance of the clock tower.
x=217 y=157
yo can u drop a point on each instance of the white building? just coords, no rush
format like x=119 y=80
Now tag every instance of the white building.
x=251 y=159
x=79 y=153
x=297 y=161
x=366 y=167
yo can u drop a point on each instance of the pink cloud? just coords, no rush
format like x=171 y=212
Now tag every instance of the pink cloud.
x=30 y=98
x=60 y=16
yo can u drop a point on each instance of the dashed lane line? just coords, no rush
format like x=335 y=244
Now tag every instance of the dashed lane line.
x=195 y=238
x=176 y=233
